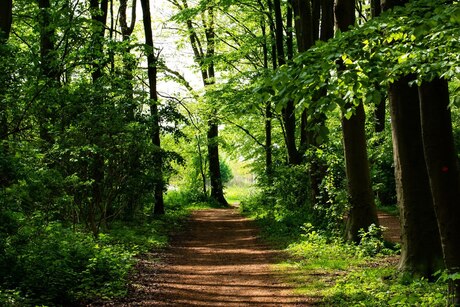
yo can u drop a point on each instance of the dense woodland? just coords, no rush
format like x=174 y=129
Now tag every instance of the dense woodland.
x=339 y=107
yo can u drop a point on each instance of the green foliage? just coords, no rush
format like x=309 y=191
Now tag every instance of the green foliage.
x=380 y=287
x=372 y=243
x=56 y=265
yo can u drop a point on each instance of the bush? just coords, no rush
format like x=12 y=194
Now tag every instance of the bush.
x=55 y=265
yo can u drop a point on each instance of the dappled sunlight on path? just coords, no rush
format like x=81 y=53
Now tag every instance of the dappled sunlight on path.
x=217 y=261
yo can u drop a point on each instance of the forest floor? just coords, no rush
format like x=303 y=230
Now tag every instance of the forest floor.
x=218 y=260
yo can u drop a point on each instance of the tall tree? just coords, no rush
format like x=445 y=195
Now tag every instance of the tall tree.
x=152 y=76
x=129 y=65
x=288 y=111
x=99 y=18
x=205 y=60
x=363 y=211
x=6 y=19
x=418 y=220
x=419 y=227
x=442 y=165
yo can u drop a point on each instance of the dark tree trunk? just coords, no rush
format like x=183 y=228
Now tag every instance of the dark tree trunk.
x=315 y=18
x=152 y=76
x=380 y=109
x=217 y=187
x=442 y=165
x=418 y=221
x=99 y=18
x=288 y=114
x=327 y=20
x=268 y=115
x=214 y=165
x=363 y=211
x=49 y=70
x=48 y=61
x=6 y=19
x=129 y=65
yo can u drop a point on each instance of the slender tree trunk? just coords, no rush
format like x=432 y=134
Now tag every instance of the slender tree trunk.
x=363 y=211
x=418 y=221
x=442 y=165
x=99 y=18
x=327 y=20
x=6 y=19
x=380 y=109
x=152 y=76
x=217 y=187
x=268 y=115
x=129 y=64
x=48 y=63
x=287 y=113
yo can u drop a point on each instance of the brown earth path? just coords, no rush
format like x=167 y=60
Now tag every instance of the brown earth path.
x=217 y=261
x=392 y=227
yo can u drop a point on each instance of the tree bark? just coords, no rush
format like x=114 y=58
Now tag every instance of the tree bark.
x=363 y=211
x=442 y=165
x=418 y=221
x=288 y=112
x=217 y=187
x=155 y=133
x=6 y=19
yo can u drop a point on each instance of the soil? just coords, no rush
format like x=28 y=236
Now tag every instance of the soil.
x=392 y=227
x=218 y=260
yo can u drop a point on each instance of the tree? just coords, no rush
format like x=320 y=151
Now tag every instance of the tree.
x=205 y=60
x=419 y=227
x=442 y=166
x=363 y=211
x=6 y=18
x=153 y=105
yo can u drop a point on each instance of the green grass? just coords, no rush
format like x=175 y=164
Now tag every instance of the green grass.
x=336 y=273
x=235 y=194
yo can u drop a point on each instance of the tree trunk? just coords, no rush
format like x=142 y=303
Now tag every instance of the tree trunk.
x=99 y=18
x=442 y=166
x=327 y=20
x=418 y=221
x=48 y=63
x=287 y=113
x=152 y=76
x=214 y=164
x=363 y=211
x=6 y=18
x=129 y=65
x=268 y=115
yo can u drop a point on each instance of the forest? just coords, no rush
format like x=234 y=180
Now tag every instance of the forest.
x=119 y=118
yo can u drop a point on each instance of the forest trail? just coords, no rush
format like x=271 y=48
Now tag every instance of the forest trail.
x=392 y=227
x=217 y=260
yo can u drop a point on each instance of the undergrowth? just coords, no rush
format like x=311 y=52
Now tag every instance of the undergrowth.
x=322 y=266
x=53 y=264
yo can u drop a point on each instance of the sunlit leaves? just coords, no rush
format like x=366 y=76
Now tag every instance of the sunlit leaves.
x=421 y=38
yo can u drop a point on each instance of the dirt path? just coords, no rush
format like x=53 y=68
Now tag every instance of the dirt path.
x=392 y=232
x=218 y=261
